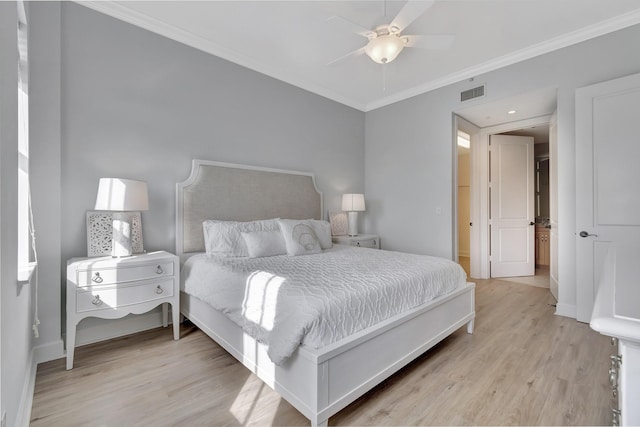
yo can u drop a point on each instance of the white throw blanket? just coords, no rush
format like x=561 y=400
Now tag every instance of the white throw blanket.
x=317 y=300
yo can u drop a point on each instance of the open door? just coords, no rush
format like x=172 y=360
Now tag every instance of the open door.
x=512 y=218
x=607 y=177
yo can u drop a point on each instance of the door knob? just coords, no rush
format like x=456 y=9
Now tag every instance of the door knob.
x=586 y=234
x=532 y=223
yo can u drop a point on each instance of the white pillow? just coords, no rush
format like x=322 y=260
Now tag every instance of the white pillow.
x=299 y=237
x=224 y=238
x=264 y=243
x=323 y=232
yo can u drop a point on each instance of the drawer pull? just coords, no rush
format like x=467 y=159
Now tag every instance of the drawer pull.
x=97 y=300
x=96 y=277
x=159 y=290
x=616 y=360
x=613 y=378
x=615 y=414
x=159 y=270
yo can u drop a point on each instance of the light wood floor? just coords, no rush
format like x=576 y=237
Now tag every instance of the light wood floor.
x=522 y=366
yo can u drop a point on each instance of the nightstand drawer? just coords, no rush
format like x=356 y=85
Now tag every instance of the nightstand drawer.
x=360 y=241
x=368 y=243
x=110 y=297
x=107 y=276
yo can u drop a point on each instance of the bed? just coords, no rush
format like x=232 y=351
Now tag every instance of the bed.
x=318 y=382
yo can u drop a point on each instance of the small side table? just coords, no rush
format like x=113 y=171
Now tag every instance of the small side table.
x=361 y=240
x=110 y=288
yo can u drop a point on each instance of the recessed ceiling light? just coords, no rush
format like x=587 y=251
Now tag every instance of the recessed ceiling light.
x=511 y=112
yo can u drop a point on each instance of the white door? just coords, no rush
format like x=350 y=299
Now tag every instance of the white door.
x=607 y=178
x=512 y=206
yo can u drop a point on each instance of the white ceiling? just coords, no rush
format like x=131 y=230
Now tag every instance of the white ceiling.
x=293 y=40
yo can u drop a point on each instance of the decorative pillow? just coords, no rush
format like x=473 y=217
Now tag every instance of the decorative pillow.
x=224 y=238
x=264 y=243
x=299 y=237
x=323 y=232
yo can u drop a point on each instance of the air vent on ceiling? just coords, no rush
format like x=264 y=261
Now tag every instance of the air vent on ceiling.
x=476 y=92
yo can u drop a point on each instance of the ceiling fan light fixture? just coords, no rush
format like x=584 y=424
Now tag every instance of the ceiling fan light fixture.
x=384 y=49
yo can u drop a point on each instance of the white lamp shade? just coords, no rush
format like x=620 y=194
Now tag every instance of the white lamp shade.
x=384 y=49
x=116 y=194
x=353 y=202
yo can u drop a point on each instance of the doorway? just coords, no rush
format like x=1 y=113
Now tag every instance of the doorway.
x=466 y=134
x=491 y=119
x=540 y=199
x=464 y=201
x=538 y=129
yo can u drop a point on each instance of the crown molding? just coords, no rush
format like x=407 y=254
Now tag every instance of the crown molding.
x=569 y=39
x=122 y=12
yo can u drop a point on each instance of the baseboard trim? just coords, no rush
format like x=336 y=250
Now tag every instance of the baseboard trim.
x=566 y=310
x=50 y=351
x=23 y=417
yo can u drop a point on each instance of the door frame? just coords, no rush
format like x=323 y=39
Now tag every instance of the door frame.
x=480 y=192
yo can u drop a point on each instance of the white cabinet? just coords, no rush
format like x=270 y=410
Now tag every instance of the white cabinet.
x=111 y=288
x=542 y=246
x=361 y=240
x=616 y=313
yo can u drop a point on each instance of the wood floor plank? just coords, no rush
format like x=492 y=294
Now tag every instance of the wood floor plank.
x=522 y=366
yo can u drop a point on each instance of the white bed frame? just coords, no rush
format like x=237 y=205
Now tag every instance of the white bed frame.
x=317 y=382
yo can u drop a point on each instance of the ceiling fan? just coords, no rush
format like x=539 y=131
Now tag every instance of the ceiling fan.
x=387 y=41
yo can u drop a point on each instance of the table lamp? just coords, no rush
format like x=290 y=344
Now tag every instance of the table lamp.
x=122 y=196
x=352 y=204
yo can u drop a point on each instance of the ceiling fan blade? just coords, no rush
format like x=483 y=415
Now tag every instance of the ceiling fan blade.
x=349 y=26
x=356 y=52
x=431 y=41
x=410 y=12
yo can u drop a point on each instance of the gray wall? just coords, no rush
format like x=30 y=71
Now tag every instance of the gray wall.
x=136 y=105
x=408 y=154
x=45 y=140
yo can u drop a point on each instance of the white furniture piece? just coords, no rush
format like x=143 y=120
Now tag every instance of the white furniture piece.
x=317 y=382
x=110 y=288
x=361 y=240
x=616 y=313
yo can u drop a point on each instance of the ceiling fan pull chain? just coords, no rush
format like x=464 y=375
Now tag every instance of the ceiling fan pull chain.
x=384 y=77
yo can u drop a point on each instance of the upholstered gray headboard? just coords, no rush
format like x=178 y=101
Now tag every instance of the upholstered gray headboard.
x=232 y=192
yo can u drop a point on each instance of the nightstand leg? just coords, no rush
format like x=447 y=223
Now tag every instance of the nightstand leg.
x=71 y=343
x=165 y=314
x=175 y=317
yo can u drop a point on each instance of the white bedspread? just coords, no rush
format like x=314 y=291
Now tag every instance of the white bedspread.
x=316 y=300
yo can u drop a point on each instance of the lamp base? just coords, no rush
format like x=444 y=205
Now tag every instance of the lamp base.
x=353 y=223
x=121 y=237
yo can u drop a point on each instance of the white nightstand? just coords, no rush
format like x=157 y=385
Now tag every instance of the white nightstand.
x=361 y=240
x=110 y=288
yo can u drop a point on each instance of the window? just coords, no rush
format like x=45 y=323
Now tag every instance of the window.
x=25 y=256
